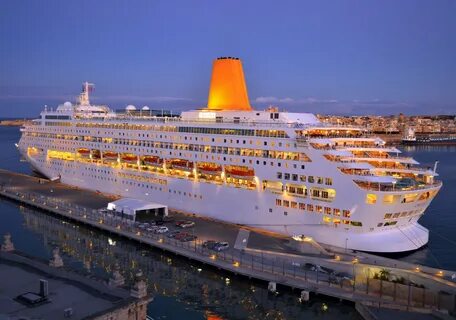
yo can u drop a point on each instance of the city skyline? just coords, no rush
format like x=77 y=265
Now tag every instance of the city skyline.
x=321 y=57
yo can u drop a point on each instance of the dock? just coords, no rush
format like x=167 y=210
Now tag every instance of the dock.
x=273 y=263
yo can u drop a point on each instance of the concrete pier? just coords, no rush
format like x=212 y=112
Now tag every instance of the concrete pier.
x=283 y=267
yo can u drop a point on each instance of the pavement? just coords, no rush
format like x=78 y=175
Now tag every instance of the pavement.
x=17 y=279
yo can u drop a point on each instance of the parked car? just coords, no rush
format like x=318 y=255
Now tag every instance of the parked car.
x=342 y=278
x=317 y=268
x=161 y=229
x=187 y=224
x=210 y=244
x=152 y=229
x=188 y=238
x=172 y=234
x=181 y=235
x=221 y=246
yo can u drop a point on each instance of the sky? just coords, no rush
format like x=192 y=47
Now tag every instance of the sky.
x=322 y=56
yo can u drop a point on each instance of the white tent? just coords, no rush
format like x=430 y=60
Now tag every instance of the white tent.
x=130 y=208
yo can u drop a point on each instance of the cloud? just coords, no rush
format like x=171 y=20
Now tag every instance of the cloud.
x=273 y=100
x=291 y=101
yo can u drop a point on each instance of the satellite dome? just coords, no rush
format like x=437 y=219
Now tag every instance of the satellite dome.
x=67 y=104
x=145 y=108
x=130 y=107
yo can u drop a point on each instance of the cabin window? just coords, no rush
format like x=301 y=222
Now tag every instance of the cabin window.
x=371 y=198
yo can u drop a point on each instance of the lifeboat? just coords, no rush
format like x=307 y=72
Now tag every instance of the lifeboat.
x=209 y=168
x=96 y=154
x=129 y=158
x=152 y=161
x=84 y=153
x=181 y=164
x=112 y=156
x=240 y=172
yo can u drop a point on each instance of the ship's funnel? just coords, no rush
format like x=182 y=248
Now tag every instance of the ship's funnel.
x=228 y=90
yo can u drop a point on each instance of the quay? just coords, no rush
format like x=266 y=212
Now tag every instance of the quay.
x=266 y=258
x=33 y=289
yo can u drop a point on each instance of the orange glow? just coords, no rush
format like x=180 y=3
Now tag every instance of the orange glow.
x=228 y=90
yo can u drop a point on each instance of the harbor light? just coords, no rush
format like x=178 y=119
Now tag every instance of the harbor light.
x=417 y=269
x=236 y=264
x=213 y=256
x=440 y=273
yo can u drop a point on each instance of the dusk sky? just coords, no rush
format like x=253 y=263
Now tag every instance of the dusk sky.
x=342 y=57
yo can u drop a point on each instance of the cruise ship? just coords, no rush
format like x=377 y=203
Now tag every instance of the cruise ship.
x=282 y=172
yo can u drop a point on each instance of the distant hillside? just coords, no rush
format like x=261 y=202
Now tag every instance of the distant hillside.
x=13 y=122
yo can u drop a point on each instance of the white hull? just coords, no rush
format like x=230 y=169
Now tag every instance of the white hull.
x=238 y=206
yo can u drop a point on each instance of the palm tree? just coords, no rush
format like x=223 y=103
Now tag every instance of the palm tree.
x=384 y=274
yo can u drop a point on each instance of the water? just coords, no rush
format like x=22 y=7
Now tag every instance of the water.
x=180 y=289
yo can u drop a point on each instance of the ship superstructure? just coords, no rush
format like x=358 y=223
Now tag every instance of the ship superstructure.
x=278 y=171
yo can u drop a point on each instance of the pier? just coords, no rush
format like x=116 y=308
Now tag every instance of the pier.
x=432 y=289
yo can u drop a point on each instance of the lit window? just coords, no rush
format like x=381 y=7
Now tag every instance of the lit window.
x=286 y=203
x=326 y=219
x=278 y=202
x=328 y=181
x=346 y=213
x=388 y=216
x=371 y=198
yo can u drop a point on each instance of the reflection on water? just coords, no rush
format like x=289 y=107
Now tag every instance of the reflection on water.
x=183 y=289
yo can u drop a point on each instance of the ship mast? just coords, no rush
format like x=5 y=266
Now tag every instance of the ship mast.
x=84 y=95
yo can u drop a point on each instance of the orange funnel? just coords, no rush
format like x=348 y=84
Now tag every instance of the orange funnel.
x=228 y=90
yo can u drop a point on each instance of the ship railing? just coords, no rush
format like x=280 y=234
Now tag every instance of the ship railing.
x=391 y=187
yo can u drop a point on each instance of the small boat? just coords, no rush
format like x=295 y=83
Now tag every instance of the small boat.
x=129 y=158
x=110 y=156
x=209 y=168
x=96 y=154
x=152 y=161
x=84 y=153
x=180 y=164
x=240 y=172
